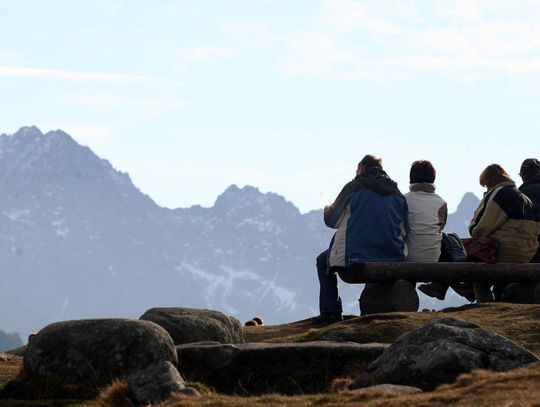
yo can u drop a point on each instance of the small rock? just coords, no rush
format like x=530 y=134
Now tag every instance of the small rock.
x=439 y=351
x=155 y=384
x=190 y=391
x=339 y=335
x=388 y=390
x=187 y=325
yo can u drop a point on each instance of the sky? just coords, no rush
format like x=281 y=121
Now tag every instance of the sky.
x=190 y=97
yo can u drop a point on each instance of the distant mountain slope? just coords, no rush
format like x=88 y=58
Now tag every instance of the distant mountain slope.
x=9 y=341
x=78 y=239
x=458 y=222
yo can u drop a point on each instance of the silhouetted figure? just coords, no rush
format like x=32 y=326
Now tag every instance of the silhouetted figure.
x=530 y=174
x=509 y=217
x=370 y=215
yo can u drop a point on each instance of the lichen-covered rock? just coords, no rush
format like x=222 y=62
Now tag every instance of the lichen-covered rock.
x=186 y=325
x=288 y=368
x=97 y=350
x=439 y=351
x=156 y=383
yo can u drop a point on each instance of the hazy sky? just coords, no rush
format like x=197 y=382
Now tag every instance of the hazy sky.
x=192 y=96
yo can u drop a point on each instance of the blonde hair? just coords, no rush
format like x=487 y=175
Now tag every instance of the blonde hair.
x=492 y=175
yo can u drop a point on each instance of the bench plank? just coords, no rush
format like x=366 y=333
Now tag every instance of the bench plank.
x=361 y=273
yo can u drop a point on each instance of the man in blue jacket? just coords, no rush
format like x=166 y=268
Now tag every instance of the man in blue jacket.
x=371 y=218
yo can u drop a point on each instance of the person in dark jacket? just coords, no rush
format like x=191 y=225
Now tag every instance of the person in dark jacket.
x=530 y=174
x=370 y=215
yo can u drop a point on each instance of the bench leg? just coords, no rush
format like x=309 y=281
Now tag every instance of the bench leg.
x=398 y=296
x=482 y=292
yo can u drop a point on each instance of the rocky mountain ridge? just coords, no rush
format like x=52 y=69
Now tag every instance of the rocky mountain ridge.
x=79 y=240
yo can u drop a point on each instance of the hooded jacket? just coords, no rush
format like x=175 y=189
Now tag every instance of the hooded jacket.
x=370 y=215
x=427 y=216
x=531 y=188
x=509 y=216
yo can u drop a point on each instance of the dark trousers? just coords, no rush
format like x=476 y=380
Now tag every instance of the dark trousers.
x=329 y=301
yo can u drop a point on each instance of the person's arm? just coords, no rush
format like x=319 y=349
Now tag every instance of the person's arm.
x=334 y=214
x=406 y=226
x=488 y=220
x=443 y=215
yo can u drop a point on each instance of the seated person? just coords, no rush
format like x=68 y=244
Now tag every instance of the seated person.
x=370 y=215
x=509 y=217
x=427 y=214
x=427 y=217
x=530 y=174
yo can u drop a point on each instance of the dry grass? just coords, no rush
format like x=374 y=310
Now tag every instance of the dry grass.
x=115 y=395
x=520 y=387
x=479 y=388
x=10 y=366
x=520 y=323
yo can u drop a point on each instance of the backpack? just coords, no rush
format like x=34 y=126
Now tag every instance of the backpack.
x=481 y=249
x=452 y=248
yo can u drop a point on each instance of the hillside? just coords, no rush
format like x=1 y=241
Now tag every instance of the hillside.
x=514 y=388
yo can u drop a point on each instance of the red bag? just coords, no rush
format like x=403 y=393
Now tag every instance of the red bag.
x=481 y=249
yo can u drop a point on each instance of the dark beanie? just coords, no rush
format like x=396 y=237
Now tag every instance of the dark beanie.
x=422 y=171
x=530 y=166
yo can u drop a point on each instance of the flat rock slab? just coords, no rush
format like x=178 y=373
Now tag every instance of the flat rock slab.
x=287 y=368
x=439 y=351
x=97 y=350
x=186 y=325
x=388 y=390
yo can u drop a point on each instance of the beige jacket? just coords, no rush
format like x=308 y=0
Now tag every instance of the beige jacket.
x=427 y=216
x=508 y=216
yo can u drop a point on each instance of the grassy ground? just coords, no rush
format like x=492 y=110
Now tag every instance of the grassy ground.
x=519 y=323
x=479 y=388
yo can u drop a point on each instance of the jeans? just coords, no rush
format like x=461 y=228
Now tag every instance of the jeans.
x=329 y=301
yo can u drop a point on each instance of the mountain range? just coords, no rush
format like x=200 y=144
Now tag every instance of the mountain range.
x=79 y=240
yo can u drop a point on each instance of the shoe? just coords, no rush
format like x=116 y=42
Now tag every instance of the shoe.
x=327 y=318
x=435 y=290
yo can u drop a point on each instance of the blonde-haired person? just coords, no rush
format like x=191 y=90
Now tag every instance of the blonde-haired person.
x=509 y=217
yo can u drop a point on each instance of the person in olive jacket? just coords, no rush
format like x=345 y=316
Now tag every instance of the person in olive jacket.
x=530 y=174
x=509 y=216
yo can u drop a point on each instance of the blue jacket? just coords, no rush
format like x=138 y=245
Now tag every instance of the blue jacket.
x=371 y=216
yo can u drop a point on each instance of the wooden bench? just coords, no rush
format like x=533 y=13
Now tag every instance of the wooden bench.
x=361 y=273
x=391 y=286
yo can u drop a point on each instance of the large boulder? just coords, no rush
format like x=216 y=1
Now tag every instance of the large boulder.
x=186 y=325
x=287 y=368
x=98 y=350
x=157 y=383
x=439 y=351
